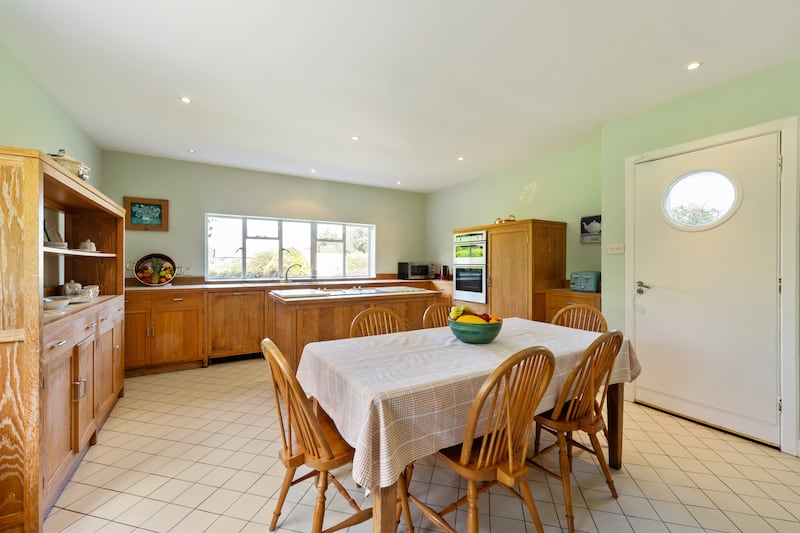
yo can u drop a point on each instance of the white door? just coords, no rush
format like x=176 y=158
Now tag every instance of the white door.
x=706 y=311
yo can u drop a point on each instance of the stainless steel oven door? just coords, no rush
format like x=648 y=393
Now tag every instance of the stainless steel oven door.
x=469 y=283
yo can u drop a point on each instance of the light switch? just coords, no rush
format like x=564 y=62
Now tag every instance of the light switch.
x=615 y=249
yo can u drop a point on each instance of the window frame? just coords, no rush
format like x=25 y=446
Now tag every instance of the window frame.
x=283 y=263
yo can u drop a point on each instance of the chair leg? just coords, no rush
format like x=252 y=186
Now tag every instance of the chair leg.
x=525 y=491
x=569 y=450
x=402 y=488
x=288 y=476
x=472 y=507
x=565 y=474
x=598 y=451
x=537 y=438
x=319 y=506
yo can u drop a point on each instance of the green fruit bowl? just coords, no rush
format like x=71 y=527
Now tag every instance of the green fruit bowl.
x=475 y=333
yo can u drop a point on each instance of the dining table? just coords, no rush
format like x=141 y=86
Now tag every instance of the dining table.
x=399 y=397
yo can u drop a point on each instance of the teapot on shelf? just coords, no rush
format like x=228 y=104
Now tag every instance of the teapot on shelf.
x=72 y=288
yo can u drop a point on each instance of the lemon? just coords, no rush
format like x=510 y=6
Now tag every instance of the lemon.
x=471 y=319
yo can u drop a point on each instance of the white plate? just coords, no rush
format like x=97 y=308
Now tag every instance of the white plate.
x=80 y=300
x=55 y=302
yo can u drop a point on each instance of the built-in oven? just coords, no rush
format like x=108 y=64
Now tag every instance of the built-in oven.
x=469 y=267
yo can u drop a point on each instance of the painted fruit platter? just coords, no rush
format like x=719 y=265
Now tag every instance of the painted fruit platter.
x=155 y=270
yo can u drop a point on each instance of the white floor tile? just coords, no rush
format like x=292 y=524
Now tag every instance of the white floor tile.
x=197 y=450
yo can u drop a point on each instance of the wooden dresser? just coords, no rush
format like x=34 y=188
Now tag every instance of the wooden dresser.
x=60 y=370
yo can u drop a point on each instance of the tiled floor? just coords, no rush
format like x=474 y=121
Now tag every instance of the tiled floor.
x=197 y=450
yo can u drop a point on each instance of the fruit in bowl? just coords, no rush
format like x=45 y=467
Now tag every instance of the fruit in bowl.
x=473 y=328
x=155 y=269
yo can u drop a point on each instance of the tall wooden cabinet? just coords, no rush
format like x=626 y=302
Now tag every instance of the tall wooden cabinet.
x=56 y=368
x=525 y=259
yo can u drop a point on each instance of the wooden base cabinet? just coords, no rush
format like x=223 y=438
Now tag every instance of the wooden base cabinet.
x=235 y=322
x=558 y=298
x=164 y=329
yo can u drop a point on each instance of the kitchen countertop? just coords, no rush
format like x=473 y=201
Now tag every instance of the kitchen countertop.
x=321 y=295
x=300 y=284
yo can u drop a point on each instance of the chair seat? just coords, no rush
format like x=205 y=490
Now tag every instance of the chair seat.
x=452 y=458
x=343 y=453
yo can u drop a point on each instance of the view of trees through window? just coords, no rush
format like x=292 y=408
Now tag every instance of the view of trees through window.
x=270 y=248
x=699 y=198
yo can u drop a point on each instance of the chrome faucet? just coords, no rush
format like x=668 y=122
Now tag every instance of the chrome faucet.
x=286 y=274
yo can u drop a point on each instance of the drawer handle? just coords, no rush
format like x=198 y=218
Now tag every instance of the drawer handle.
x=177 y=299
x=238 y=293
x=92 y=325
x=571 y=303
x=59 y=343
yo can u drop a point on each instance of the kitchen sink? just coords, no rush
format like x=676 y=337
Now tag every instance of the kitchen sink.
x=300 y=293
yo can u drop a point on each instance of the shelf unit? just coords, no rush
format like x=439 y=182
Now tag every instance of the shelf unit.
x=48 y=421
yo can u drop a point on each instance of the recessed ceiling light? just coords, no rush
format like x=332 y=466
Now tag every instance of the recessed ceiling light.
x=461 y=158
x=191 y=150
x=354 y=137
x=313 y=170
x=694 y=65
x=186 y=100
x=399 y=182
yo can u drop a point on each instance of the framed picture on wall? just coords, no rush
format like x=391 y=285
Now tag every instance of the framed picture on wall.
x=146 y=214
x=590 y=229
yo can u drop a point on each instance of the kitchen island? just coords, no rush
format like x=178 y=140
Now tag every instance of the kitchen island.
x=300 y=316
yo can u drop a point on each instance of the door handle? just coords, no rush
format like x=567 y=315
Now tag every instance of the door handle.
x=641 y=286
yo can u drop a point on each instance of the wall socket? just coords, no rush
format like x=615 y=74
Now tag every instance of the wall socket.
x=612 y=249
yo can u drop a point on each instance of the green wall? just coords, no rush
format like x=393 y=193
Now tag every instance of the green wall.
x=770 y=95
x=194 y=189
x=32 y=119
x=563 y=185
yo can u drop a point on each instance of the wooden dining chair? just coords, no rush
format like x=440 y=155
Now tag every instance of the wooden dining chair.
x=435 y=315
x=376 y=321
x=577 y=409
x=581 y=316
x=309 y=439
x=497 y=435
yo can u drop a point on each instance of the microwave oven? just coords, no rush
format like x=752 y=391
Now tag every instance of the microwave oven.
x=416 y=270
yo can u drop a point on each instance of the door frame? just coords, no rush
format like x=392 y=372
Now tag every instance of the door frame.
x=789 y=249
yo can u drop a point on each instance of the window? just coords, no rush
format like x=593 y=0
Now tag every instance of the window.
x=700 y=200
x=266 y=248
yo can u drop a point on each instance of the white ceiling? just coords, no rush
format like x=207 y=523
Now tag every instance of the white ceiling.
x=283 y=85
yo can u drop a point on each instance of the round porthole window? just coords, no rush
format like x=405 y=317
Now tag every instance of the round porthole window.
x=700 y=200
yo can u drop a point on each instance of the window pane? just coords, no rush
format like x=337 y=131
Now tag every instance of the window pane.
x=357 y=252
x=297 y=242
x=699 y=199
x=329 y=232
x=258 y=227
x=224 y=247
x=329 y=259
x=262 y=259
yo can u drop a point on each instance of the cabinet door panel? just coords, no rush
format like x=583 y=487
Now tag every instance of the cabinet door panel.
x=176 y=335
x=136 y=338
x=510 y=272
x=235 y=322
x=103 y=373
x=56 y=413
x=118 y=370
x=83 y=393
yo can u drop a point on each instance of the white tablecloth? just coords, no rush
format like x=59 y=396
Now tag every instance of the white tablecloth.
x=400 y=397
